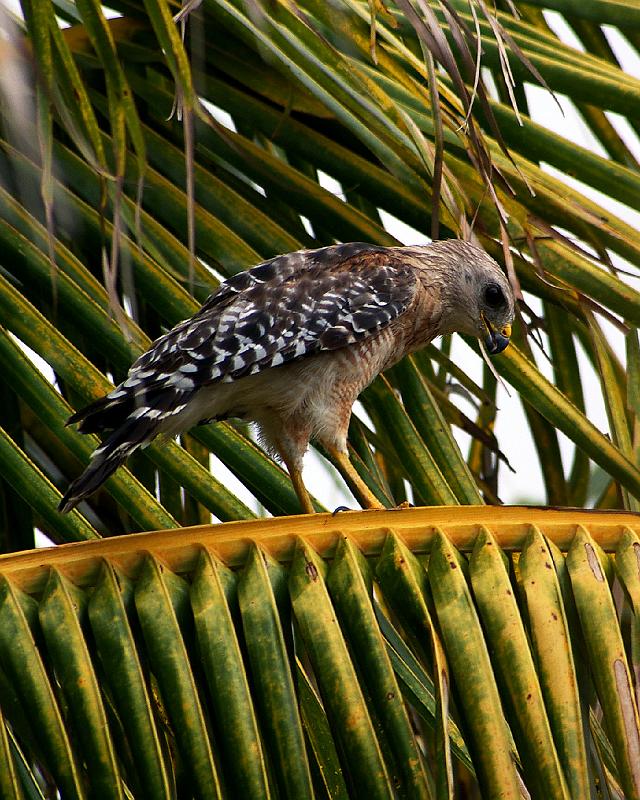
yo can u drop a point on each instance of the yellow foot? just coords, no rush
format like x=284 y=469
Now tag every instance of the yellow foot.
x=300 y=489
x=365 y=496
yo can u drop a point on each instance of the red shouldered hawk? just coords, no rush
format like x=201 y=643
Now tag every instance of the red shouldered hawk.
x=291 y=343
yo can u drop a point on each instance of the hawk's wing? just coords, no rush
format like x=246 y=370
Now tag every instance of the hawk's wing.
x=285 y=309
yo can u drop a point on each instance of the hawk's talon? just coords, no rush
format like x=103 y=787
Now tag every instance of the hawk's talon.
x=337 y=510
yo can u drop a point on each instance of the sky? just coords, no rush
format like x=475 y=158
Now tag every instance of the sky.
x=526 y=483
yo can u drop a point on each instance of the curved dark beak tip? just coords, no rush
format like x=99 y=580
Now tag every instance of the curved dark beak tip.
x=495 y=343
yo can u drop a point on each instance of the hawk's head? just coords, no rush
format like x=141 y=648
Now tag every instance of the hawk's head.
x=476 y=296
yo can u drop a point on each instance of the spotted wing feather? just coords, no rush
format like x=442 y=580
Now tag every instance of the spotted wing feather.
x=267 y=326
x=285 y=309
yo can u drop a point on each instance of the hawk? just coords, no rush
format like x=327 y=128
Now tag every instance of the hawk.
x=291 y=343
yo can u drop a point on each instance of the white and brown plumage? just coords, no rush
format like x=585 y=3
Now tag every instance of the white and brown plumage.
x=291 y=343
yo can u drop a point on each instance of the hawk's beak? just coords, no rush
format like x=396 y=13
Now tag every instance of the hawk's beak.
x=496 y=341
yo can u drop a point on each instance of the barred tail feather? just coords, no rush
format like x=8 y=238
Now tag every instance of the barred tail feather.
x=107 y=413
x=113 y=452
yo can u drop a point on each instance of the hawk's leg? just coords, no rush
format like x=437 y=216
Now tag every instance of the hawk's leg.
x=291 y=440
x=362 y=492
x=295 y=473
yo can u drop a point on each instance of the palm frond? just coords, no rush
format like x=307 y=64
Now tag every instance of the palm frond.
x=314 y=656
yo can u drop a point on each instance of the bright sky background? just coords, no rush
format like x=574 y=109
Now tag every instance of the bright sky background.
x=527 y=482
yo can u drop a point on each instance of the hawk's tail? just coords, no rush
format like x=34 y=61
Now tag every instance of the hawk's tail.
x=113 y=452
x=135 y=415
x=105 y=414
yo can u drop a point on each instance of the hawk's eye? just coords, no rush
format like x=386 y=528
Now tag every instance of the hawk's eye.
x=493 y=296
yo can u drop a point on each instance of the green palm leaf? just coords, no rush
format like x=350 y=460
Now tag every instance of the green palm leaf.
x=195 y=665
